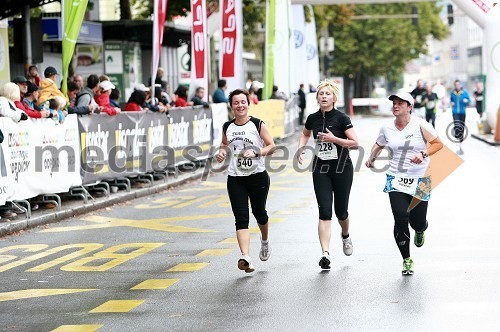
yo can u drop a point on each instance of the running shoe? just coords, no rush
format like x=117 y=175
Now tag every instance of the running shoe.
x=265 y=251
x=347 y=245
x=324 y=261
x=408 y=267
x=419 y=239
x=245 y=264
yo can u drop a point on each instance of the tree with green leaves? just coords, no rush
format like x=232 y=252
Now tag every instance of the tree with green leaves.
x=374 y=47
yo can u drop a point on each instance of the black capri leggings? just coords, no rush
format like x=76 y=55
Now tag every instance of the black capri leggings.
x=255 y=187
x=326 y=184
x=416 y=218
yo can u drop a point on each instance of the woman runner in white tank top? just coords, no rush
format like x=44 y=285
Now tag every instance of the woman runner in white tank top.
x=245 y=141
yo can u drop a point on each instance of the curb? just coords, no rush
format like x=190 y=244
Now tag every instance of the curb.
x=56 y=216
x=486 y=139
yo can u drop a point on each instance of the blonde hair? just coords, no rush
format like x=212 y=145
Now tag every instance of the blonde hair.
x=11 y=91
x=103 y=78
x=330 y=85
x=61 y=102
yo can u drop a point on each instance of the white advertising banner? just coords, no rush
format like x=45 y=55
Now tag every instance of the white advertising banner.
x=231 y=44
x=299 y=55
x=199 y=48
x=312 y=53
x=40 y=157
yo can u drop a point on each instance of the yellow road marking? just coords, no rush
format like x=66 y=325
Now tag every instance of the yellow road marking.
x=32 y=293
x=155 y=284
x=77 y=328
x=117 y=306
x=254 y=229
x=276 y=220
x=229 y=240
x=161 y=224
x=214 y=252
x=187 y=267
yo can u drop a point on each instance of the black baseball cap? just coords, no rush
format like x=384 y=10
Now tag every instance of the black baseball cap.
x=20 y=79
x=49 y=71
x=32 y=87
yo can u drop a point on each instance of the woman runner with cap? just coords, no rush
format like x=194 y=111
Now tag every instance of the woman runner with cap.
x=248 y=140
x=408 y=182
x=333 y=171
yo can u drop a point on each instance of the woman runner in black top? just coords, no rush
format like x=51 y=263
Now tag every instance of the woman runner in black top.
x=333 y=171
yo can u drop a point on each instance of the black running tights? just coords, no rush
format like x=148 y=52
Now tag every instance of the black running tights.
x=416 y=218
x=240 y=189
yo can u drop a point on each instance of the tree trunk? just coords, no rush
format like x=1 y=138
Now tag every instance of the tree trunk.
x=125 y=13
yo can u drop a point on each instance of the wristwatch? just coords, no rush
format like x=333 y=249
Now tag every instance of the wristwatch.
x=424 y=154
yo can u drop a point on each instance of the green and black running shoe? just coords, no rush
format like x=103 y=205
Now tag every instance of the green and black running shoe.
x=407 y=267
x=419 y=239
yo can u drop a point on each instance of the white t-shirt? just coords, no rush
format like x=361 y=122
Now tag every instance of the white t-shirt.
x=404 y=144
x=241 y=138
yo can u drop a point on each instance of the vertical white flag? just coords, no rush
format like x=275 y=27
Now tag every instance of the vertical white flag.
x=160 y=11
x=298 y=54
x=231 y=44
x=199 y=48
x=283 y=40
x=312 y=52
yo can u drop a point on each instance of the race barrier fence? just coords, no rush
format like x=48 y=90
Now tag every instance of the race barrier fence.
x=39 y=157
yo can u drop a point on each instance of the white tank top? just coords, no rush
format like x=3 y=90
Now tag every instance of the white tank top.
x=241 y=138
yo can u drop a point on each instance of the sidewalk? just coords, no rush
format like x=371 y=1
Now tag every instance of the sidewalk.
x=73 y=207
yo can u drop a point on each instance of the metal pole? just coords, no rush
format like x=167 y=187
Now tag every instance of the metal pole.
x=27 y=34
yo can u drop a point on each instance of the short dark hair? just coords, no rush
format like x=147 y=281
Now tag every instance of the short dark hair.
x=199 y=89
x=221 y=83
x=275 y=88
x=238 y=92
x=115 y=94
x=72 y=86
x=53 y=104
x=92 y=81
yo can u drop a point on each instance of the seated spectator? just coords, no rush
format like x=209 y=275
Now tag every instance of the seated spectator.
x=48 y=86
x=30 y=102
x=73 y=90
x=11 y=93
x=219 y=94
x=22 y=83
x=78 y=79
x=56 y=108
x=114 y=97
x=33 y=75
x=277 y=94
x=102 y=98
x=253 y=96
x=198 y=97
x=136 y=101
x=86 y=96
x=181 y=97
x=161 y=100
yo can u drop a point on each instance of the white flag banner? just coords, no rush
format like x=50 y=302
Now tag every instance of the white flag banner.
x=282 y=46
x=39 y=157
x=160 y=10
x=299 y=54
x=231 y=44
x=313 y=74
x=199 y=48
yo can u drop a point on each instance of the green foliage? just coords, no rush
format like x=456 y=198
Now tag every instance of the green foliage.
x=143 y=9
x=374 y=47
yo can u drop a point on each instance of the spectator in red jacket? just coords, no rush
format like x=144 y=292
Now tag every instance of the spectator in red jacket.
x=181 y=94
x=22 y=83
x=136 y=101
x=30 y=103
x=102 y=98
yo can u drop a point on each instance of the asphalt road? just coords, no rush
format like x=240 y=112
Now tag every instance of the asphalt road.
x=168 y=262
